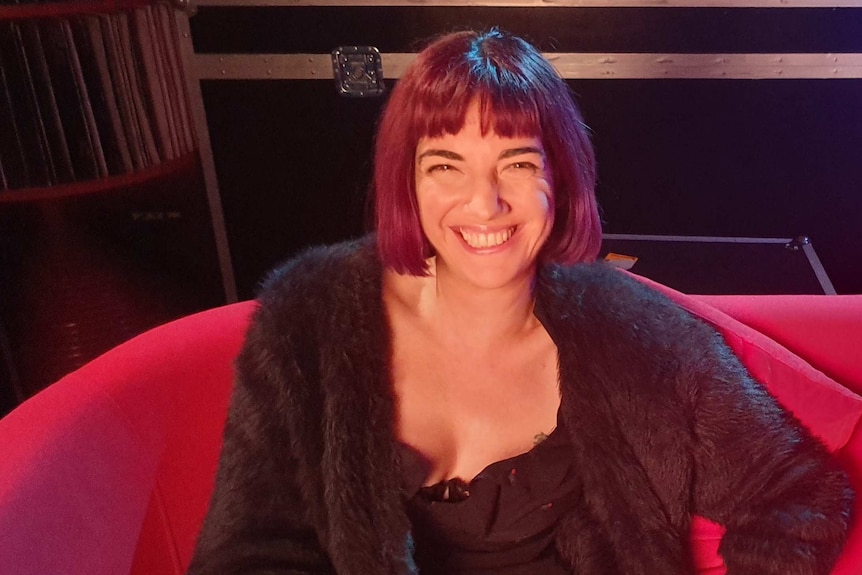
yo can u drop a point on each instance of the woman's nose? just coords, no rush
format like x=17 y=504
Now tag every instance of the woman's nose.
x=486 y=201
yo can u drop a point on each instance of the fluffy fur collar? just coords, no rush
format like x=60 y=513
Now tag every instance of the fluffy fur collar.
x=656 y=405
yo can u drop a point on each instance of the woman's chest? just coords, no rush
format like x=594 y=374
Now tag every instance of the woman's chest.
x=463 y=410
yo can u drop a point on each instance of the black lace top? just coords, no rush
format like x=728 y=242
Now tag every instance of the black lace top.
x=501 y=522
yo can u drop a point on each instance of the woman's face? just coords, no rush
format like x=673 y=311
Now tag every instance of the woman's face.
x=485 y=203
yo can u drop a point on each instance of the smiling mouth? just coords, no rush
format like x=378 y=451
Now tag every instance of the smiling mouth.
x=486 y=239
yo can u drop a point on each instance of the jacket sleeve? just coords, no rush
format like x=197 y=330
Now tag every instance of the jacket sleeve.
x=782 y=498
x=258 y=522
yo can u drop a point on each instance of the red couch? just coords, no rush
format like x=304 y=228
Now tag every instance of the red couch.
x=109 y=470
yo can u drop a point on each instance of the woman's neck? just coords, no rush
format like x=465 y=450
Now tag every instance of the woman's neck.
x=474 y=316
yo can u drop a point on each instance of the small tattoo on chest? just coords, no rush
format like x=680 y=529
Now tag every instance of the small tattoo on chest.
x=539 y=438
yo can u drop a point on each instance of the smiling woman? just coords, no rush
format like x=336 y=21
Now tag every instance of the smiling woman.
x=509 y=89
x=484 y=200
x=390 y=392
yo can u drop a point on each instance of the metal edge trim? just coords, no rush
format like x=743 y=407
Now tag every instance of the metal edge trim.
x=697 y=239
x=606 y=66
x=195 y=96
x=549 y=3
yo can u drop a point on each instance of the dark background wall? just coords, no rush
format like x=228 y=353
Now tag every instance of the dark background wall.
x=729 y=157
x=81 y=272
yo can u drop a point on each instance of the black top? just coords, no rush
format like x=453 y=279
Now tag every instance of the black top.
x=502 y=521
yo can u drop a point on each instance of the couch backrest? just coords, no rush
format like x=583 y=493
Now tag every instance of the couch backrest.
x=824 y=331
x=118 y=459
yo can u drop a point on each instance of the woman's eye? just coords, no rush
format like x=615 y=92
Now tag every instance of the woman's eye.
x=521 y=169
x=444 y=173
x=440 y=168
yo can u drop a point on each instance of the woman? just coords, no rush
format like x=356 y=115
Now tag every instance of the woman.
x=452 y=395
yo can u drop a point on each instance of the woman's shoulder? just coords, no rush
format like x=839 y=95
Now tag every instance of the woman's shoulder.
x=601 y=288
x=614 y=306
x=320 y=266
x=321 y=282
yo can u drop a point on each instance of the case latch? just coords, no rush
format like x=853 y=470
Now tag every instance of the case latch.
x=358 y=71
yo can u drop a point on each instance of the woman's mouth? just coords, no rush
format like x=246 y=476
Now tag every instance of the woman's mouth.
x=479 y=240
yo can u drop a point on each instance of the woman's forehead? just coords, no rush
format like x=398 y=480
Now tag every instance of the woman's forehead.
x=470 y=142
x=504 y=118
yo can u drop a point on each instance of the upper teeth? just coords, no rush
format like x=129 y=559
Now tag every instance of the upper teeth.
x=486 y=239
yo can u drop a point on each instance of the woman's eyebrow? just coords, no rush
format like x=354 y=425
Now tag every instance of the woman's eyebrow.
x=449 y=155
x=519 y=151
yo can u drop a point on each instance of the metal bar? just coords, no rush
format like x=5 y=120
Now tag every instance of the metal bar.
x=700 y=239
x=570 y=66
x=552 y=3
x=818 y=268
x=196 y=102
x=706 y=66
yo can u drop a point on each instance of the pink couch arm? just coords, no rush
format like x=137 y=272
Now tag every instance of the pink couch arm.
x=92 y=466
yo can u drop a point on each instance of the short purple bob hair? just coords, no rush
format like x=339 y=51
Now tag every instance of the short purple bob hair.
x=519 y=94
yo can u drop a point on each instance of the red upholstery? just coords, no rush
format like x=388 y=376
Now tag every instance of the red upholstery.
x=822 y=330
x=109 y=470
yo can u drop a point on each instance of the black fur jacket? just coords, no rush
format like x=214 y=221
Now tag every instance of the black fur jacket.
x=664 y=421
